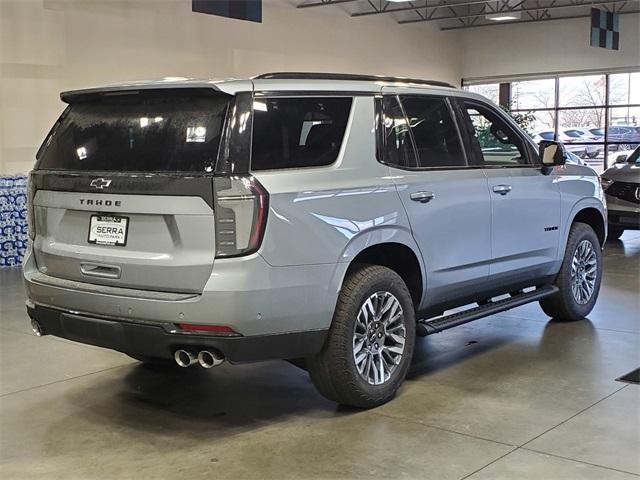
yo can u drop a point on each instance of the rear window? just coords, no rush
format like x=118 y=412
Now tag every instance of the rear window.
x=434 y=132
x=298 y=132
x=145 y=132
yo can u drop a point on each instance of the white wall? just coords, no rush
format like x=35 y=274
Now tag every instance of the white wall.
x=47 y=46
x=553 y=46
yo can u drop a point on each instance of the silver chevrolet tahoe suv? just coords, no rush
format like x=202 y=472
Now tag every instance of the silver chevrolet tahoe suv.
x=325 y=219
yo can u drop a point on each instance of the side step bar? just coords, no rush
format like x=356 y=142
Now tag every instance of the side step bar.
x=427 y=326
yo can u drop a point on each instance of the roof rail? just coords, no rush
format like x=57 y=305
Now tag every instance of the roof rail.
x=347 y=76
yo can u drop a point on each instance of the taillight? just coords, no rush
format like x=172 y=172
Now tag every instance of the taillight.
x=31 y=221
x=241 y=211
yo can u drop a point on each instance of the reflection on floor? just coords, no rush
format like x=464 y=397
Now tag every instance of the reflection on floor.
x=510 y=396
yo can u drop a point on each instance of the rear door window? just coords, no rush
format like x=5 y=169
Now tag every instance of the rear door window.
x=298 y=132
x=434 y=132
x=153 y=131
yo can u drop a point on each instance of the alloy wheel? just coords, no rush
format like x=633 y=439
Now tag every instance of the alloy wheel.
x=584 y=272
x=379 y=337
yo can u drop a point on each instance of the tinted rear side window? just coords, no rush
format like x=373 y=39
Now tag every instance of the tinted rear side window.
x=298 y=132
x=396 y=140
x=145 y=132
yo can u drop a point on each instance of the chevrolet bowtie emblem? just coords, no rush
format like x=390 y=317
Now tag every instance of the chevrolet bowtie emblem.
x=100 y=183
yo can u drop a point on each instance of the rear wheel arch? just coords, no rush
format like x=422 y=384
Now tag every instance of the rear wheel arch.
x=398 y=257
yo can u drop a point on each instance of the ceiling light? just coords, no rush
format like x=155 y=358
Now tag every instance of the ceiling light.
x=501 y=17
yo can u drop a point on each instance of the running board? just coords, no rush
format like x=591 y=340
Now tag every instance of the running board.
x=427 y=327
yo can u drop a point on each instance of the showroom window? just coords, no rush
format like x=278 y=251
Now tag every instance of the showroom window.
x=489 y=90
x=595 y=115
x=533 y=95
x=298 y=132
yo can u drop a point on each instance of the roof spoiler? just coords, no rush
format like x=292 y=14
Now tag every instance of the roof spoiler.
x=87 y=94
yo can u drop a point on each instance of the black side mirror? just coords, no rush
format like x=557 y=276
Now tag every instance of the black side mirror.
x=552 y=153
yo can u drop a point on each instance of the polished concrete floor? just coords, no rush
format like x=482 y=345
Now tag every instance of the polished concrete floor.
x=513 y=396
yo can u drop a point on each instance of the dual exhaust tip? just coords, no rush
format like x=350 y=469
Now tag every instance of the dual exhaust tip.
x=206 y=358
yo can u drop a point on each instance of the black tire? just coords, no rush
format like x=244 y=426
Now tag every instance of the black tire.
x=614 y=233
x=563 y=305
x=333 y=371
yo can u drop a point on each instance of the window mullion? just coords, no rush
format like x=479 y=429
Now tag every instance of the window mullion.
x=556 y=118
x=605 y=157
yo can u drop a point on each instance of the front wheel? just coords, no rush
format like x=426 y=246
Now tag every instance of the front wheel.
x=579 y=277
x=368 y=351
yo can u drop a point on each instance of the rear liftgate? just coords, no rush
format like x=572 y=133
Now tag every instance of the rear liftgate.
x=143 y=190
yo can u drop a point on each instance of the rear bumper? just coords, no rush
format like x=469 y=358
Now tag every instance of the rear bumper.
x=159 y=341
x=246 y=294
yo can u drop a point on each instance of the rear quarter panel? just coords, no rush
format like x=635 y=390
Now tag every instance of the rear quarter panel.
x=328 y=214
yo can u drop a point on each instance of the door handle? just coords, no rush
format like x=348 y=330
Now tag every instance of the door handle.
x=422 y=197
x=102 y=271
x=502 y=189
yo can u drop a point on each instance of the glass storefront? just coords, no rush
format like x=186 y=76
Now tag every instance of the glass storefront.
x=595 y=115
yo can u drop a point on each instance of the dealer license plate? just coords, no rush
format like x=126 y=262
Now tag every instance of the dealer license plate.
x=108 y=230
